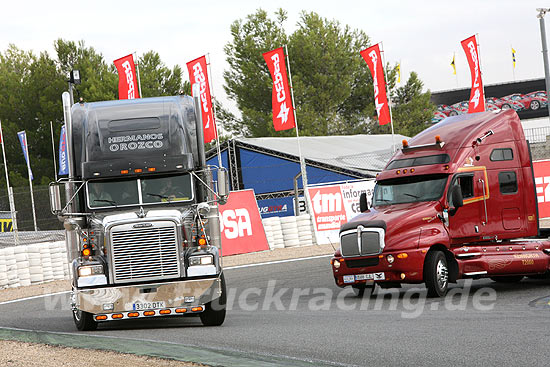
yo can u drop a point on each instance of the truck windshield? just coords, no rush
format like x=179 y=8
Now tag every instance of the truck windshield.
x=142 y=191
x=409 y=189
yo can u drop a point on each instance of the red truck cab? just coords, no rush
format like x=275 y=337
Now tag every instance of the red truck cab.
x=457 y=201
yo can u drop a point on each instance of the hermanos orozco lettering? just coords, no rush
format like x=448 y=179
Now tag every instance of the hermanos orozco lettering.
x=135 y=142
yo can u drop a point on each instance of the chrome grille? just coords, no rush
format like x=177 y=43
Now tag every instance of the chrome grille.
x=144 y=253
x=362 y=241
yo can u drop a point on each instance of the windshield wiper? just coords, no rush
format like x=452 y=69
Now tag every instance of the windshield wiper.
x=112 y=202
x=411 y=195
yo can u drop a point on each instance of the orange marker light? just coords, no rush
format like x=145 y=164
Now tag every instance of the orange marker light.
x=437 y=139
x=181 y=310
x=404 y=171
x=133 y=314
x=124 y=171
x=101 y=317
x=117 y=316
x=402 y=255
x=197 y=309
x=86 y=252
x=148 y=313
x=138 y=170
x=405 y=143
x=398 y=172
x=165 y=312
x=151 y=169
x=202 y=241
x=412 y=170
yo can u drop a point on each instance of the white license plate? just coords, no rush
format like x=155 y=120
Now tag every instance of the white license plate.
x=349 y=279
x=139 y=306
x=364 y=276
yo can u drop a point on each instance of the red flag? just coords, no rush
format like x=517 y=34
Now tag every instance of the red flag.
x=127 y=81
x=374 y=61
x=477 y=97
x=281 y=100
x=198 y=74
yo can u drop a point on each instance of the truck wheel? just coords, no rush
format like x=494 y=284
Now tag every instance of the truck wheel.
x=84 y=321
x=360 y=289
x=507 y=279
x=214 y=313
x=436 y=274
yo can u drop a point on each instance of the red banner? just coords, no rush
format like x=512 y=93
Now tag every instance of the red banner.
x=374 y=60
x=281 y=100
x=127 y=81
x=198 y=74
x=477 y=97
x=542 y=185
x=241 y=224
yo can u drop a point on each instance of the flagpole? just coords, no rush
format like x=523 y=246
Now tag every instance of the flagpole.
x=480 y=69
x=10 y=191
x=53 y=151
x=302 y=160
x=389 y=96
x=139 y=80
x=210 y=80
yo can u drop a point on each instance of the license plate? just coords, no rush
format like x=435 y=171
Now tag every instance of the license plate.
x=139 y=306
x=349 y=279
x=364 y=276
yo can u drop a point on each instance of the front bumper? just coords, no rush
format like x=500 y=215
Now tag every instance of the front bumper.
x=369 y=269
x=187 y=294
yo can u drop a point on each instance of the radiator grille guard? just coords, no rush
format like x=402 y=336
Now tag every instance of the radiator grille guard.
x=362 y=241
x=144 y=253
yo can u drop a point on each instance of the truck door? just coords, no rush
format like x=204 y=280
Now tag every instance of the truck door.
x=468 y=220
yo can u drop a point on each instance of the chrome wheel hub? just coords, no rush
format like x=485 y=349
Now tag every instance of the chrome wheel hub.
x=442 y=274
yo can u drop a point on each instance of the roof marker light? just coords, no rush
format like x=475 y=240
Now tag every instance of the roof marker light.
x=151 y=169
x=124 y=171
x=138 y=170
x=437 y=139
x=405 y=143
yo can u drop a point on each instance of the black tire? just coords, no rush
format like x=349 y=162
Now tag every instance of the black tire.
x=361 y=289
x=436 y=274
x=534 y=105
x=508 y=279
x=84 y=321
x=505 y=106
x=453 y=113
x=214 y=313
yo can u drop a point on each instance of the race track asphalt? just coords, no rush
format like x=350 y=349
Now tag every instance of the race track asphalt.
x=292 y=313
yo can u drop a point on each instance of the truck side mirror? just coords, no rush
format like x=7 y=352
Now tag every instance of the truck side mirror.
x=222 y=186
x=456 y=199
x=55 y=199
x=363 y=203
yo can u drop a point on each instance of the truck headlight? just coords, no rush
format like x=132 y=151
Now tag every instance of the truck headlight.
x=89 y=270
x=201 y=260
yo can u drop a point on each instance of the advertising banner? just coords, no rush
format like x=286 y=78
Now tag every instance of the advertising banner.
x=63 y=168
x=241 y=225
x=374 y=60
x=334 y=205
x=280 y=207
x=477 y=97
x=281 y=100
x=198 y=74
x=127 y=80
x=23 y=140
x=6 y=223
x=542 y=185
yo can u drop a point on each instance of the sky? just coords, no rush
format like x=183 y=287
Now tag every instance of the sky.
x=421 y=35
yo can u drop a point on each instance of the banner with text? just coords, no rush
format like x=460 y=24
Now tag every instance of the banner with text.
x=198 y=75
x=373 y=59
x=281 y=100
x=542 y=185
x=127 y=81
x=334 y=205
x=477 y=97
x=63 y=167
x=241 y=224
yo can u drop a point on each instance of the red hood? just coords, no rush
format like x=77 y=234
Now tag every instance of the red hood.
x=403 y=222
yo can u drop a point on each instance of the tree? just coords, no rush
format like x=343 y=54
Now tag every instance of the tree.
x=157 y=79
x=332 y=83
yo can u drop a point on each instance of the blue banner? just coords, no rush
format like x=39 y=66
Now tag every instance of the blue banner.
x=63 y=168
x=280 y=207
x=23 y=140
